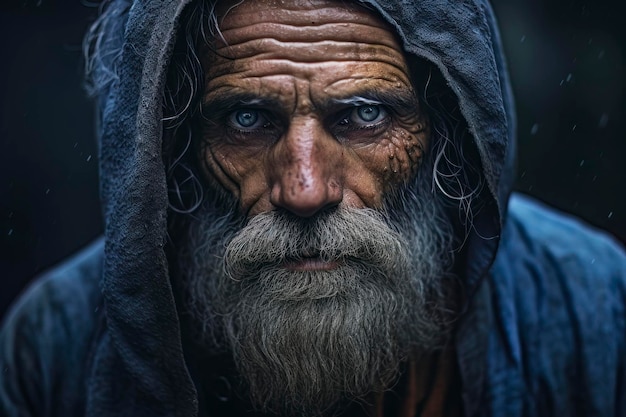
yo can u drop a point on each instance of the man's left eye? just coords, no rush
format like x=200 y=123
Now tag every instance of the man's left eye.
x=367 y=115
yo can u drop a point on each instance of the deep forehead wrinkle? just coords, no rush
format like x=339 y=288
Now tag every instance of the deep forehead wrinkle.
x=297 y=33
x=312 y=52
x=319 y=22
x=294 y=13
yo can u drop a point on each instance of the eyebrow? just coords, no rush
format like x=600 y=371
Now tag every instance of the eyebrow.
x=225 y=102
x=399 y=100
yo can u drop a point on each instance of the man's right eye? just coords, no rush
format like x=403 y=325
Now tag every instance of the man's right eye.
x=247 y=119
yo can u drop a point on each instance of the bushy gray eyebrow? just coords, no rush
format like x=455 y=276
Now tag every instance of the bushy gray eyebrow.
x=358 y=101
x=395 y=100
x=224 y=103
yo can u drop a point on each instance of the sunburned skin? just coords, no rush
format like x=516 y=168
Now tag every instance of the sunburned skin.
x=308 y=105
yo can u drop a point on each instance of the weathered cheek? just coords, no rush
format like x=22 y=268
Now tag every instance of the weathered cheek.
x=237 y=171
x=404 y=150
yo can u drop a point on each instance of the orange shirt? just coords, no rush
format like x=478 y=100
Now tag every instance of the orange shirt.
x=430 y=387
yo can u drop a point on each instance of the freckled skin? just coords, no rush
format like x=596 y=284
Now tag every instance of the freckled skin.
x=310 y=147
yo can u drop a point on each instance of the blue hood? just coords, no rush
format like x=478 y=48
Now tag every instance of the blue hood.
x=460 y=38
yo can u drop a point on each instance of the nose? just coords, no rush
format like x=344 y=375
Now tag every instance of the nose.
x=307 y=169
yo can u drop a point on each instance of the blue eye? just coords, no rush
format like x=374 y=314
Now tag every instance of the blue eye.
x=246 y=118
x=368 y=114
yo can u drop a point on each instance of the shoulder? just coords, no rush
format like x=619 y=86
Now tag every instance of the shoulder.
x=542 y=241
x=46 y=335
x=549 y=256
x=540 y=228
x=558 y=293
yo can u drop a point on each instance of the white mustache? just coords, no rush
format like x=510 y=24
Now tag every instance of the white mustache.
x=275 y=238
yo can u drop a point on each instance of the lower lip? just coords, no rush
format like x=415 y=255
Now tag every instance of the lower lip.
x=311 y=264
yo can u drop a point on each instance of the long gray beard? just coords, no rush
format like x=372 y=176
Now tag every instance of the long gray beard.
x=305 y=341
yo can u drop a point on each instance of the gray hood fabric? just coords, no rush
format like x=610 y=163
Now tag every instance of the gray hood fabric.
x=115 y=301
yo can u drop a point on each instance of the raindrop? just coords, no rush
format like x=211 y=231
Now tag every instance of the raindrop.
x=534 y=129
x=604 y=120
x=10 y=215
x=561 y=83
x=569 y=77
x=573 y=128
x=10 y=232
x=582 y=162
x=89 y=158
x=522 y=39
x=593 y=261
x=610 y=215
x=601 y=54
x=75 y=145
x=47 y=191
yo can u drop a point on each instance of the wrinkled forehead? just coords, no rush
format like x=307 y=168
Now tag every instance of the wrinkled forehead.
x=306 y=20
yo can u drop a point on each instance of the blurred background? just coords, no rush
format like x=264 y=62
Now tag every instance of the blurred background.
x=567 y=64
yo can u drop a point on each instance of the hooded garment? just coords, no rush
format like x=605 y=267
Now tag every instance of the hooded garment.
x=542 y=331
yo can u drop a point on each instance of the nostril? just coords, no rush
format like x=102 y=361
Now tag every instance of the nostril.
x=306 y=199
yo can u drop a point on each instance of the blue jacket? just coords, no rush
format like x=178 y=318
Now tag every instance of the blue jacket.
x=542 y=327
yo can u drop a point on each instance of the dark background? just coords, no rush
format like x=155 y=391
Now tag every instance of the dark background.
x=566 y=59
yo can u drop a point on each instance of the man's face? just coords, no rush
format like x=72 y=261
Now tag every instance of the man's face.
x=329 y=272
x=309 y=105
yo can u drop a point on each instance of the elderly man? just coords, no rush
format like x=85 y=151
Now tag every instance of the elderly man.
x=308 y=213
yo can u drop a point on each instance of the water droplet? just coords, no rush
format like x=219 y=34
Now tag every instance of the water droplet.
x=522 y=39
x=601 y=54
x=89 y=158
x=604 y=120
x=10 y=232
x=534 y=129
x=574 y=128
x=593 y=261
x=569 y=77
x=610 y=215
x=582 y=162
x=47 y=191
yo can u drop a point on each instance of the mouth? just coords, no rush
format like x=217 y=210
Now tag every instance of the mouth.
x=310 y=263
